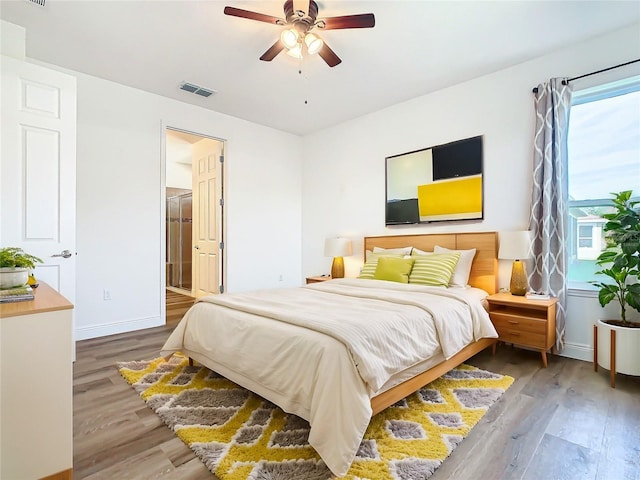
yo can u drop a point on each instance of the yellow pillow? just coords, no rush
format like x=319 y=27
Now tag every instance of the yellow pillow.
x=369 y=268
x=394 y=269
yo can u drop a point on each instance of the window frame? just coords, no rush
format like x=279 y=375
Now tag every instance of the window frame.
x=579 y=97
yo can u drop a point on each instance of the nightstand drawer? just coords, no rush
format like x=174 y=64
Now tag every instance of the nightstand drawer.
x=521 y=324
x=537 y=340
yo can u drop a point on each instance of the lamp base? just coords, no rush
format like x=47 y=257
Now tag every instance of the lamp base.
x=518 y=285
x=337 y=267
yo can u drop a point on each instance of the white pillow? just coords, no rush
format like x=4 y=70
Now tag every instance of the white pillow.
x=402 y=250
x=460 y=277
x=417 y=251
x=368 y=254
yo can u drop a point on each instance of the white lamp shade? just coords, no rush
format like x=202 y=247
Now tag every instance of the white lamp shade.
x=289 y=38
x=295 y=52
x=515 y=245
x=337 y=247
x=314 y=44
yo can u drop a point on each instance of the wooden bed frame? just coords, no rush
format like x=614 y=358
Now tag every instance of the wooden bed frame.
x=484 y=275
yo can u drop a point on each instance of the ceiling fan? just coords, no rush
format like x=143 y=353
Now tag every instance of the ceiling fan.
x=298 y=36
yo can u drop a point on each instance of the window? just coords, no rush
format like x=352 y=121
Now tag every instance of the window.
x=604 y=157
x=585 y=236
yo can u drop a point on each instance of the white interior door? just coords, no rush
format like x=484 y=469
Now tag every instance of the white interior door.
x=206 y=207
x=38 y=169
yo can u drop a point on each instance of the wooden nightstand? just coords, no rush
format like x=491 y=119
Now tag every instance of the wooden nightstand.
x=319 y=278
x=530 y=323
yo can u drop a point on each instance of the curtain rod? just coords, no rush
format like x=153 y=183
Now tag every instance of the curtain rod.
x=566 y=82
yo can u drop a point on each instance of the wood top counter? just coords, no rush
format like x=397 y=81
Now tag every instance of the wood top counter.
x=46 y=300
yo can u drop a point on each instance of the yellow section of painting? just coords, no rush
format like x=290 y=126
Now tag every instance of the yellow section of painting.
x=451 y=197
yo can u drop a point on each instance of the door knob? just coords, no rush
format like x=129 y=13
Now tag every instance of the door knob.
x=63 y=254
x=197 y=247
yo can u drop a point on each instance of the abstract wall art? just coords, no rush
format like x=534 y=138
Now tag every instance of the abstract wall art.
x=440 y=183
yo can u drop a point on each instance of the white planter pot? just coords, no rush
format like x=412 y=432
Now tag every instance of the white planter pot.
x=13 y=277
x=627 y=348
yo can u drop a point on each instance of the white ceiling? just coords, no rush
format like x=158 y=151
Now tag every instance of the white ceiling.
x=415 y=48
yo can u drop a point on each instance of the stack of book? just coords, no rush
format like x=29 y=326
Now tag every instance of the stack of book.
x=18 y=294
x=538 y=296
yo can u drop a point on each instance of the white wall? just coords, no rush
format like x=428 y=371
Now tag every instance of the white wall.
x=344 y=180
x=13 y=40
x=178 y=155
x=179 y=175
x=120 y=233
x=281 y=203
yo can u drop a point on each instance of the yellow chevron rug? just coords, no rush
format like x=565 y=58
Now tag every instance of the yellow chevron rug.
x=241 y=436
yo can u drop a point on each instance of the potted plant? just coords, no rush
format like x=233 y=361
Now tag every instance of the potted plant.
x=14 y=267
x=620 y=261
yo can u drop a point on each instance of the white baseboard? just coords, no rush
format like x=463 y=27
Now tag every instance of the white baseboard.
x=579 y=351
x=105 y=329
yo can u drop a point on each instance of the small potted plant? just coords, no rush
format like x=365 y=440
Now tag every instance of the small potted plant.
x=14 y=267
x=620 y=262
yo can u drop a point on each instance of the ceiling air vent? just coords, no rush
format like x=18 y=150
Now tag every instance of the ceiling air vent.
x=196 y=89
x=36 y=2
x=204 y=92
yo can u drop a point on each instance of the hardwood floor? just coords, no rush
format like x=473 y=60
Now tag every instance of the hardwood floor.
x=177 y=305
x=560 y=422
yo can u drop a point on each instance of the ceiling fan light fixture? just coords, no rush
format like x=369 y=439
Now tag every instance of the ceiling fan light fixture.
x=295 y=38
x=296 y=51
x=289 y=38
x=314 y=43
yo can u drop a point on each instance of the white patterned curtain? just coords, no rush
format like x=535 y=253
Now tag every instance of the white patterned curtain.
x=548 y=221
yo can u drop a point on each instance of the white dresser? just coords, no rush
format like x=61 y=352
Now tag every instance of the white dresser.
x=36 y=387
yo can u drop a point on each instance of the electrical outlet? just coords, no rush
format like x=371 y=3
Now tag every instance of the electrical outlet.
x=106 y=294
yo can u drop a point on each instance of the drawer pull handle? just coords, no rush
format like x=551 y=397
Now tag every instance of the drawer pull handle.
x=513 y=322
x=515 y=334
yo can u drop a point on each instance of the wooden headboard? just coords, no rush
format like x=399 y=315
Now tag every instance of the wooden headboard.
x=484 y=270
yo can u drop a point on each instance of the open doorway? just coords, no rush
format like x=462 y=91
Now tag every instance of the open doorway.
x=194 y=210
x=179 y=272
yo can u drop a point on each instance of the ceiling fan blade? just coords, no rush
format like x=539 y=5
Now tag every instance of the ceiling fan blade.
x=363 y=20
x=238 y=12
x=273 y=51
x=329 y=56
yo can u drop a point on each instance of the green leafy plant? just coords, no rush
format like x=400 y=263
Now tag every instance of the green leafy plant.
x=622 y=255
x=12 y=257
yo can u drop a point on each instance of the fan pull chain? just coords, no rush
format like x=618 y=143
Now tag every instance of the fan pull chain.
x=306 y=102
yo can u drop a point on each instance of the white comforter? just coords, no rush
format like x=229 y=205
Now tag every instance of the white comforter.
x=323 y=350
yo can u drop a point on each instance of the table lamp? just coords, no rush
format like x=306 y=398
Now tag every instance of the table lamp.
x=516 y=246
x=337 y=248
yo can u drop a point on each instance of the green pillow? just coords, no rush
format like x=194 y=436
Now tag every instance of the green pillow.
x=394 y=269
x=435 y=270
x=369 y=268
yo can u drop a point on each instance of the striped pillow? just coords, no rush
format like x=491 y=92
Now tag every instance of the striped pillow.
x=369 y=268
x=435 y=270
x=460 y=277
